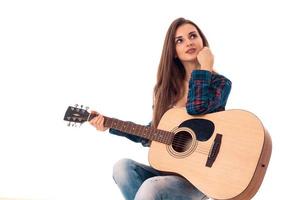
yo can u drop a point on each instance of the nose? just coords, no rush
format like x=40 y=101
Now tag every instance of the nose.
x=189 y=42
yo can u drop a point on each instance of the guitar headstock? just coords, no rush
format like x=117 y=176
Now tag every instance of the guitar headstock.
x=75 y=115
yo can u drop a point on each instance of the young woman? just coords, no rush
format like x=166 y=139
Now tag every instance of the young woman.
x=185 y=78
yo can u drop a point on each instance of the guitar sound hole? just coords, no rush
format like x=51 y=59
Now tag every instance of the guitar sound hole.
x=182 y=141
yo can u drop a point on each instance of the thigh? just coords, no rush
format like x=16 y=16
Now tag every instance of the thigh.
x=168 y=188
x=127 y=169
x=129 y=175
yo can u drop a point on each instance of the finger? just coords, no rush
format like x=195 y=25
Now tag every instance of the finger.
x=94 y=112
x=102 y=123
x=93 y=121
x=98 y=119
x=204 y=48
x=100 y=127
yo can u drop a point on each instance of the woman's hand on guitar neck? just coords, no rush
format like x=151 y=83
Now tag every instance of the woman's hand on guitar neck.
x=98 y=121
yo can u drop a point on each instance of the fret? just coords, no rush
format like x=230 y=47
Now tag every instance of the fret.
x=156 y=136
x=151 y=135
x=109 y=122
x=130 y=128
x=165 y=137
x=133 y=128
x=151 y=132
x=126 y=127
x=143 y=130
x=114 y=124
x=139 y=130
x=106 y=122
x=161 y=135
x=138 y=127
x=170 y=137
x=146 y=132
x=121 y=126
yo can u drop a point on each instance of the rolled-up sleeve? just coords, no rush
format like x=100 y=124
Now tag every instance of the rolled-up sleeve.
x=208 y=92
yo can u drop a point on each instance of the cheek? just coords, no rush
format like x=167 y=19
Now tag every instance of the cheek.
x=179 y=51
x=200 y=43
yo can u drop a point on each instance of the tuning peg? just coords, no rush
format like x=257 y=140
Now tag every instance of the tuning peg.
x=76 y=105
x=86 y=108
x=69 y=124
x=76 y=124
x=81 y=106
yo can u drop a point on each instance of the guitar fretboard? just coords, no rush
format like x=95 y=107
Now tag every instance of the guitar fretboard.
x=139 y=130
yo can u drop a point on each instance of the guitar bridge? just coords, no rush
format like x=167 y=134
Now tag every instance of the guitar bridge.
x=214 y=151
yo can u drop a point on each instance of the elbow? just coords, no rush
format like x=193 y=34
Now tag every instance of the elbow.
x=197 y=109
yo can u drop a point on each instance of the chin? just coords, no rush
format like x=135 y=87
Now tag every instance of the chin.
x=189 y=59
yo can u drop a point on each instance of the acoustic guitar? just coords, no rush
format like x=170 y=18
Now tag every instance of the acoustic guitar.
x=224 y=154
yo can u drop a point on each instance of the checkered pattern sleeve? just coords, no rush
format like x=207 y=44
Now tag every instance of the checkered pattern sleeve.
x=208 y=92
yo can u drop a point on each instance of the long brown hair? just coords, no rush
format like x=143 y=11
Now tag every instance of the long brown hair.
x=171 y=73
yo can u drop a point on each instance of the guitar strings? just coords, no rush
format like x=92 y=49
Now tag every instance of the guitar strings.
x=179 y=143
x=182 y=143
x=203 y=150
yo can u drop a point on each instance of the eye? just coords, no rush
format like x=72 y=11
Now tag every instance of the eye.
x=193 y=36
x=178 y=41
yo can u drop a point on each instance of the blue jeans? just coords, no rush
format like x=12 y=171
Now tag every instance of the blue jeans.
x=140 y=182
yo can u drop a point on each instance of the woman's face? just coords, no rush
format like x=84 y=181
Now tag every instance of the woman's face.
x=188 y=42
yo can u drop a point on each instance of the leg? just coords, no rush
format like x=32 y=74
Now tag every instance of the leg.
x=129 y=176
x=168 y=188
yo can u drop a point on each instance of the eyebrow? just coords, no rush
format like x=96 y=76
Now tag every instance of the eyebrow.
x=181 y=36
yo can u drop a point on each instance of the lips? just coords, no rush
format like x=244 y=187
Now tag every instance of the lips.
x=191 y=51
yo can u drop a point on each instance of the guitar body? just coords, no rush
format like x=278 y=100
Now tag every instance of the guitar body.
x=224 y=154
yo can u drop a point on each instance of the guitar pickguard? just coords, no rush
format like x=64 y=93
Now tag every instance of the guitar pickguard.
x=203 y=128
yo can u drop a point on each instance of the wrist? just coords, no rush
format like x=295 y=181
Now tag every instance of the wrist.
x=207 y=68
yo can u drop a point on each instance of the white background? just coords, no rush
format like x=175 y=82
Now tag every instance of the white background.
x=105 y=55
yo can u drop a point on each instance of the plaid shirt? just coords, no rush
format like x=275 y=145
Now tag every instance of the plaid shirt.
x=208 y=92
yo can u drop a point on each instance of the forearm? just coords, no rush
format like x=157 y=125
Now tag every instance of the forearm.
x=208 y=92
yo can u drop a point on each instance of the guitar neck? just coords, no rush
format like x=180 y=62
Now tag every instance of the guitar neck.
x=139 y=130
x=147 y=132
